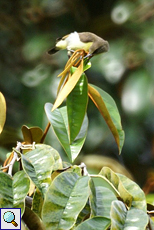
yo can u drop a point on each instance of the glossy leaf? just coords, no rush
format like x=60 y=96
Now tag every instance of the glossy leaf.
x=31 y=172
x=33 y=134
x=109 y=111
x=118 y=215
x=100 y=200
x=21 y=185
x=37 y=202
x=136 y=218
x=68 y=87
x=59 y=121
x=100 y=180
x=86 y=65
x=66 y=197
x=6 y=191
x=13 y=190
x=128 y=190
x=77 y=102
x=122 y=219
x=39 y=164
x=99 y=223
x=2 y=111
x=139 y=200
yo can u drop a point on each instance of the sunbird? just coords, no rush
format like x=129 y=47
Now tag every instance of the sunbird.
x=87 y=41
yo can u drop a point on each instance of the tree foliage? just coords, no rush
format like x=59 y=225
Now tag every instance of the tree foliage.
x=52 y=189
x=64 y=195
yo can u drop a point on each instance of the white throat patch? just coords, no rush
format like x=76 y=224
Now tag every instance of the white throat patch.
x=74 y=42
x=73 y=38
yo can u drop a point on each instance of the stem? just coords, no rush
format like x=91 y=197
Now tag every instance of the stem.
x=45 y=132
x=15 y=157
x=7 y=162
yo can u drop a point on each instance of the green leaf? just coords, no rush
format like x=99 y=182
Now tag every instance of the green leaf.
x=100 y=200
x=77 y=102
x=58 y=164
x=39 y=164
x=95 y=223
x=66 y=197
x=128 y=190
x=100 y=180
x=6 y=190
x=32 y=220
x=118 y=215
x=2 y=111
x=37 y=202
x=86 y=65
x=136 y=218
x=109 y=111
x=75 y=147
x=31 y=172
x=122 y=219
x=139 y=199
x=21 y=185
x=59 y=121
x=13 y=190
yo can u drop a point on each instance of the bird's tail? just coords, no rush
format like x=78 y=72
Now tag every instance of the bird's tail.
x=53 y=50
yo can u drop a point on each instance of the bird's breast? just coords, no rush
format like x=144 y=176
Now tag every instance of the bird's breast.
x=62 y=44
x=79 y=45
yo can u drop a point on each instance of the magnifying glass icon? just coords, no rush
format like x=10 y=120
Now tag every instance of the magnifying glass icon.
x=9 y=217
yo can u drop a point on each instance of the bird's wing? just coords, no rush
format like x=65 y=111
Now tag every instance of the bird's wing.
x=86 y=37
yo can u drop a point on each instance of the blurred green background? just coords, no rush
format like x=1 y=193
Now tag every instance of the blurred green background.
x=28 y=28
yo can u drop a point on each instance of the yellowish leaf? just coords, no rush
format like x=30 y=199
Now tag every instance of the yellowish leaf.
x=98 y=101
x=62 y=82
x=2 y=111
x=31 y=188
x=67 y=68
x=68 y=87
x=74 y=60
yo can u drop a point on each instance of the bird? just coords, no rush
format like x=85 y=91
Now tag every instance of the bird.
x=87 y=41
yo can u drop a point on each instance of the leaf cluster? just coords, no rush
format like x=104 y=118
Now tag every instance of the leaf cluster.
x=53 y=194
x=64 y=198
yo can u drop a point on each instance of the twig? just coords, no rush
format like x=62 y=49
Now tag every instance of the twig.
x=16 y=155
x=45 y=132
x=84 y=169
